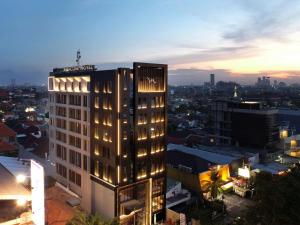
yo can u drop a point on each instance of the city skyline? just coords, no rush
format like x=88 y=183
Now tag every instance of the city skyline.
x=235 y=40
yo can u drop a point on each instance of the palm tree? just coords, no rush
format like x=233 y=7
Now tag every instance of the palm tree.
x=213 y=184
x=81 y=218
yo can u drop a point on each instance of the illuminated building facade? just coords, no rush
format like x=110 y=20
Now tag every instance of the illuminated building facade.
x=126 y=128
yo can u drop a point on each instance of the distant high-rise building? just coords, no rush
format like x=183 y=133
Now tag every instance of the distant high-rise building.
x=244 y=124
x=263 y=82
x=107 y=138
x=212 y=80
x=275 y=83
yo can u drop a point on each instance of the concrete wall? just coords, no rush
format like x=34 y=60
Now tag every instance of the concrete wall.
x=103 y=201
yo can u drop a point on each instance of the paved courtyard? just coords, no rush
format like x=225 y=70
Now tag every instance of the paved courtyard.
x=236 y=204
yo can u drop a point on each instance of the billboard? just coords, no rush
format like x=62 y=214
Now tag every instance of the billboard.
x=244 y=172
x=37 y=193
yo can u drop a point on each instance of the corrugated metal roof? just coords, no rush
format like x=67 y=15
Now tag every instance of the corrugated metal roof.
x=217 y=158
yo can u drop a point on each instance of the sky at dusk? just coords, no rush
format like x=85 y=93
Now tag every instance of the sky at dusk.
x=235 y=39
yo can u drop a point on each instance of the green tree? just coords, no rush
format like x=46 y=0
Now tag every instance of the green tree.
x=81 y=218
x=277 y=199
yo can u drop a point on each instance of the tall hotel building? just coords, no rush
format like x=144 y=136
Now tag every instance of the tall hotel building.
x=108 y=139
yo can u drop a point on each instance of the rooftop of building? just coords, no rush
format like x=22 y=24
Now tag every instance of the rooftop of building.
x=5 y=131
x=216 y=154
x=6 y=147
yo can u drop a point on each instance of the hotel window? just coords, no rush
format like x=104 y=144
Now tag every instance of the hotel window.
x=61 y=152
x=107 y=119
x=85 y=102
x=61 y=98
x=96 y=131
x=124 y=102
x=84 y=115
x=74 y=141
x=142 y=133
x=107 y=86
x=96 y=168
x=61 y=111
x=97 y=87
x=142 y=152
x=106 y=152
x=85 y=162
x=157 y=166
x=142 y=103
x=142 y=170
x=96 y=117
x=75 y=114
x=75 y=127
x=75 y=177
x=75 y=158
x=61 y=170
x=156 y=147
x=125 y=135
x=142 y=118
x=61 y=123
x=107 y=103
x=84 y=129
x=96 y=103
x=106 y=136
x=85 y=145
x=97 y=149
x=75 y=100
x=61 y=136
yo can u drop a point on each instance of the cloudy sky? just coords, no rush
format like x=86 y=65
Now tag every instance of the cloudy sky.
x=235 y=39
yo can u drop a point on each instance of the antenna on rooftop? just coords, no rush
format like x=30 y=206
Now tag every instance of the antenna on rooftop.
x=78 y=56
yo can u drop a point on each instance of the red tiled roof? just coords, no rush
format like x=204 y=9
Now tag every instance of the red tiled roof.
x=6 y=147
x=5 y=131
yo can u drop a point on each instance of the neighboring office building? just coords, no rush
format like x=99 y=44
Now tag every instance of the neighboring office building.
x=107 y=138
x=244 y=124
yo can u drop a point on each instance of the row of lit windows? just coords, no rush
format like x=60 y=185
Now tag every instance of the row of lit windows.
x=106 y=88
x=157 y=167
x=157 y=102
x=106 y=135
x=105 y=172
x=105 y=151
x=142 y=133
x=69 y=84
x=73 y=113
x=73 y=99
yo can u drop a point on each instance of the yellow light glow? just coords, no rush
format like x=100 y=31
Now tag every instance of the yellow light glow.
x=283 y=134
x=119 y=175
x=21 y=178
x=266 y=57
x=118 y=110
x=21 y=202
x=293 y=143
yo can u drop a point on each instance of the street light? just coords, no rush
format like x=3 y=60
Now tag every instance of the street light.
x=21 y=178
x=21 y=201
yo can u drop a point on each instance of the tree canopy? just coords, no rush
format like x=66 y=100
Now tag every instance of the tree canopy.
x=277 y=199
